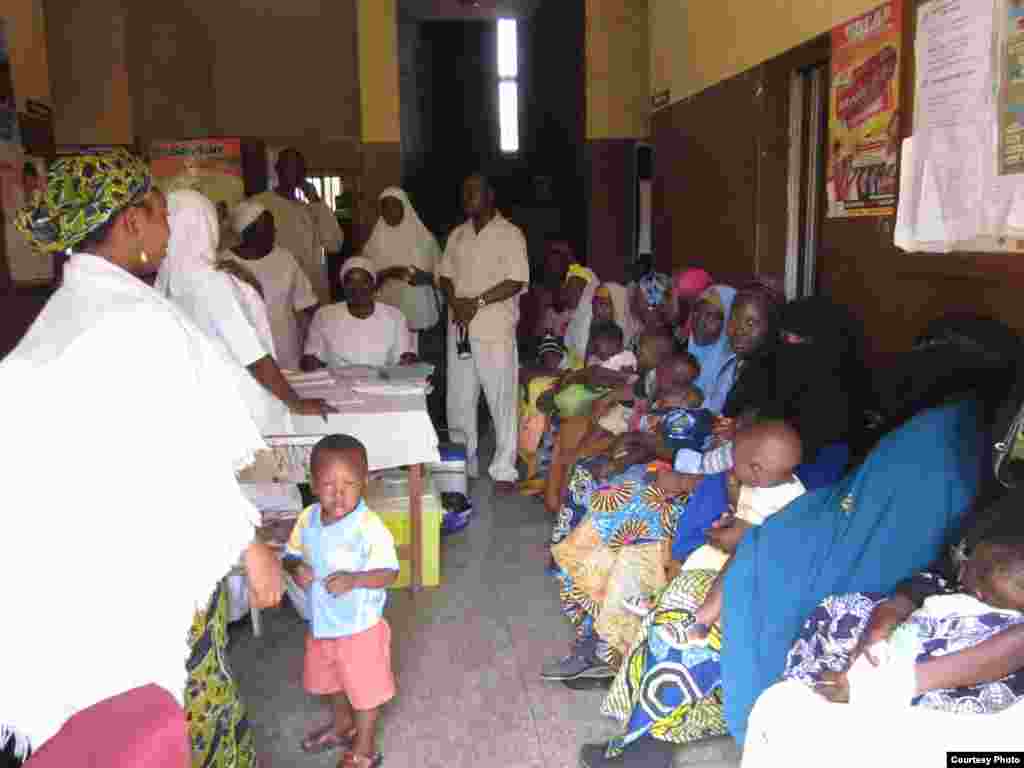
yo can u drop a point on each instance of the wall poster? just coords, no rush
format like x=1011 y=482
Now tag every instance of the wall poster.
x=1011 y=94
x=21 y=176
x=210 y=166
x=864 y=117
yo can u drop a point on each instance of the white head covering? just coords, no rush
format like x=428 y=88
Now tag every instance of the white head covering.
x=192 y=248
x=357 y=262
x=408 y=243
x=245 y=213
x=578 y=333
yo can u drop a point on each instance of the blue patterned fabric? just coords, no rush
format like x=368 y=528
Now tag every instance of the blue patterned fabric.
x=833 y=629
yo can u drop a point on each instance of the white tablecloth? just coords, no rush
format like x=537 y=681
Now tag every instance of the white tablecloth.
x=395 y=429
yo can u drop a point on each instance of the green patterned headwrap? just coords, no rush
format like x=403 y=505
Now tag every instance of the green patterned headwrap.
x=83 y=192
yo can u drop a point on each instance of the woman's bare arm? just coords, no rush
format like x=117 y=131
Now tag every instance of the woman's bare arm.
x=988 y=661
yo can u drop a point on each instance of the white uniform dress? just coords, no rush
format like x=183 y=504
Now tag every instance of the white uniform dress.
x=306 y=230
x=213 y=300
x=338 y=338
x=286 y=290
x=475 y=262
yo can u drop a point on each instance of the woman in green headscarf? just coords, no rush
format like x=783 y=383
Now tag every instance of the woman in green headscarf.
x=118 y=414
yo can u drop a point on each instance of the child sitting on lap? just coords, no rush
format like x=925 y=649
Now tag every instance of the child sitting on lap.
x=345 y=557
x=893 y=671
x=760 y=484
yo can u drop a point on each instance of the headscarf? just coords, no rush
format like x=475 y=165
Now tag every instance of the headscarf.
x=688 y=284
x=83 y=192
x=713 y=357
x=357 y=262
x=817 y=383
x=408 y=243
x=584 y=274
x=245 y=213
x=623 y=317
x=654 y=286
x=192 y=248
x=578 y=333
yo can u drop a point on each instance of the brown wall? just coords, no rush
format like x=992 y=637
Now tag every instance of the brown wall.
x=290 y=75
x=720 y=202
x=170 y=55
x=89 y=72
x=610 y=170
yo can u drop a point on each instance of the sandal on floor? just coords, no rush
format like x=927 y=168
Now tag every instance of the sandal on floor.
x=356 y=760
x=325 y=739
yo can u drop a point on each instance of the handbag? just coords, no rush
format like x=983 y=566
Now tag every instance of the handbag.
x=421 y=306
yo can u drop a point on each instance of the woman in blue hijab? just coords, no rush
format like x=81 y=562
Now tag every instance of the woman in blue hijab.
x=709 y=343
x=881 y=524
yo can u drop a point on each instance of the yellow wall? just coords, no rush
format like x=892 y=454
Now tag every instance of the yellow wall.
x=617 y=68
x=697 y=43
x=378 y=71
x=26 y=34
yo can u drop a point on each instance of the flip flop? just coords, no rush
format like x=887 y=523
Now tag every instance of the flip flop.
x=505 y=487
x=325 y=740
x=356 y=760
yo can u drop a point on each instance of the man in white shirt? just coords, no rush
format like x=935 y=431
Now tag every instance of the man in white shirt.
x=483 y=271
x=305 y=229
x=359 y=331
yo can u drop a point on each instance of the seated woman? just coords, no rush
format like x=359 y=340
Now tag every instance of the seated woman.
x=533 y=423
x=648 y=298
x=954 y=647
x=866 y=533
x=359 y=331
x=688 y=284
x=622 y=515
x=794 y=363
x=577 y=299
x=709 y=343
x=589 y=434
x=670 y=684
x=602 y=455
x=853 y=644
x=224 y=305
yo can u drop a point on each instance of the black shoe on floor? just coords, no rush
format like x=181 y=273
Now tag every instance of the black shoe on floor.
x=645 y=752
x=592 y=756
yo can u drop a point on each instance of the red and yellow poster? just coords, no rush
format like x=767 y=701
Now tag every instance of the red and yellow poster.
x=210 y=166
x=864 y=115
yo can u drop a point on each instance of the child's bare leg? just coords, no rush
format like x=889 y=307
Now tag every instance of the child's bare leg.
x=366 y=731
x=344 y=718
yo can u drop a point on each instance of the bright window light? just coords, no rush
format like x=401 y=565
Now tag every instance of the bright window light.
x=508 y=115
x=508 y=49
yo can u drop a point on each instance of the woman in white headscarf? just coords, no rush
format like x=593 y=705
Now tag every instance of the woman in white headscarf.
x=578 y=289
x=404 y=253
x=221 y=304
x=286 y=289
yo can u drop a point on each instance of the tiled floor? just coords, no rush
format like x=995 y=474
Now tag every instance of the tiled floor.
x=467 y=656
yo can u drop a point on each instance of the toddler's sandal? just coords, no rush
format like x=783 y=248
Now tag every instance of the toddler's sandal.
x=325 y=739
x=356 y=760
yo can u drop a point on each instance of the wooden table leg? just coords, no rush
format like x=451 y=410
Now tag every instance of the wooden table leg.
x=416 y=527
